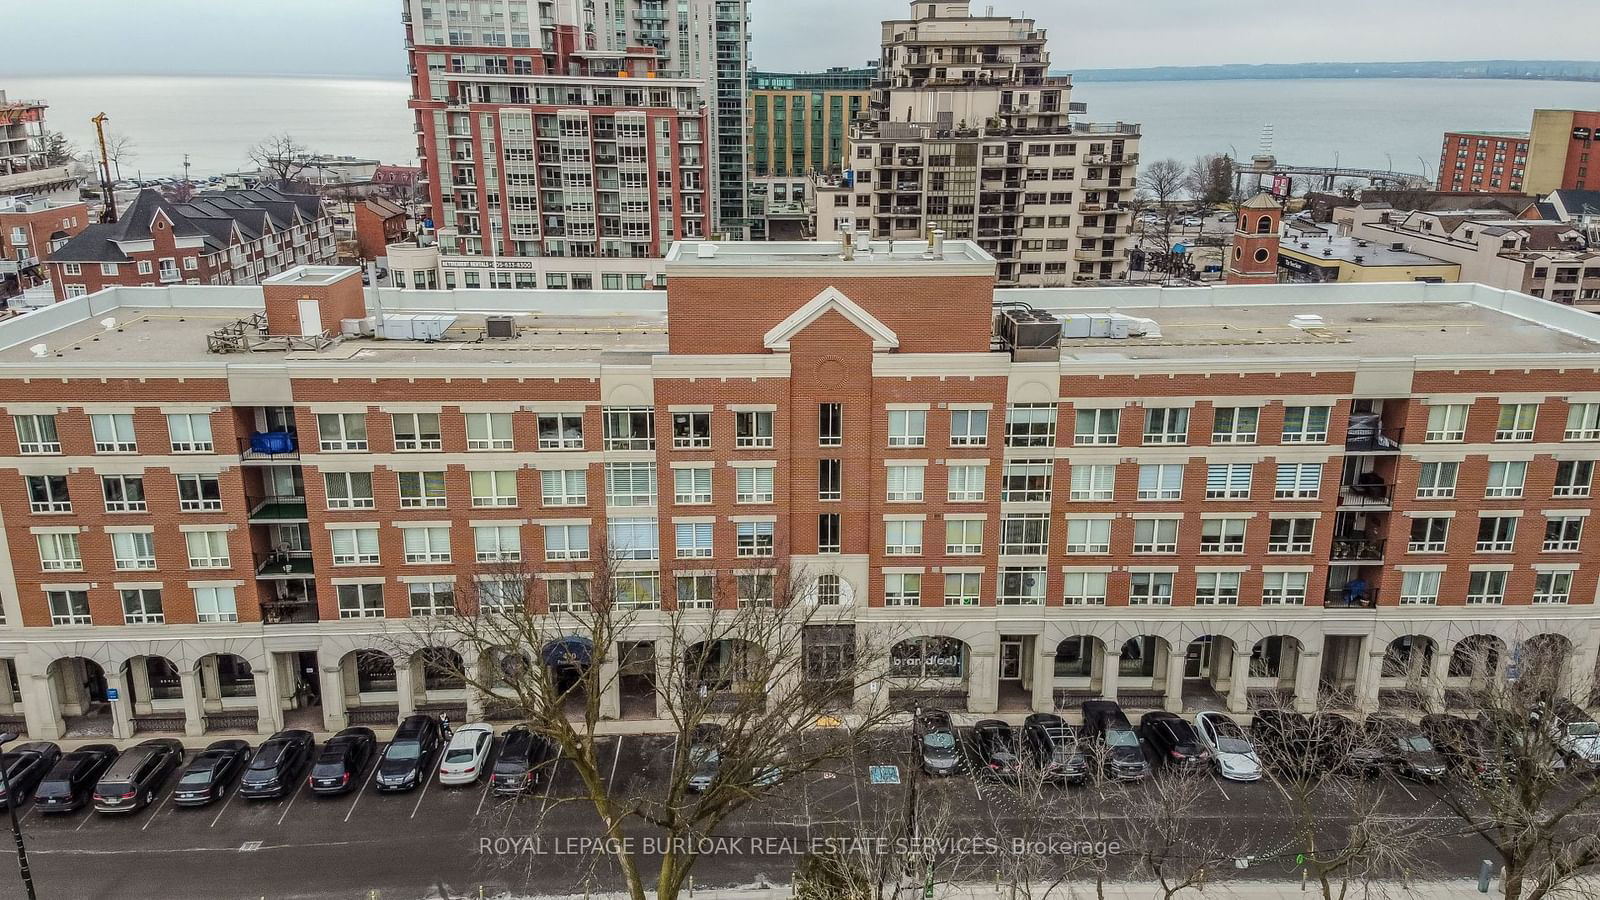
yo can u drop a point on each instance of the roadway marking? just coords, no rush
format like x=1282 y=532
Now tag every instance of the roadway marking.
x=549 y=786
x=1218 y=782
x=1396 y=779
x=218 y=816
x=424 y=792
x=292 y=797
x=370 y=769
x=91 y=814
x=157 y=812
x=611 y=780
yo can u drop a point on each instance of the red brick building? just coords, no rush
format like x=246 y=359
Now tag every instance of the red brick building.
x=1557 y=152
x=29 y=230
x=379 y=223
x=1474 y=161
x=1232 y=489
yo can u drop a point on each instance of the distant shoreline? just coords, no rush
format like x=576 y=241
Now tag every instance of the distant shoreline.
x=1495 y=70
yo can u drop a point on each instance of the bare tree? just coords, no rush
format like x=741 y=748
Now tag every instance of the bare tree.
x=118 y=148
x=1161 y=184
x=281 y=158
x=1210 y=179
x=1173 y=844
x=52 y=148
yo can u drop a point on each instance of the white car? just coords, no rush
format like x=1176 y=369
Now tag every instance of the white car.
x=1230 y=747
x=468 y=754
x=1193 y=222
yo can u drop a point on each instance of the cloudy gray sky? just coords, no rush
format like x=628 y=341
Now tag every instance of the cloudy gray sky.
x=362 y=37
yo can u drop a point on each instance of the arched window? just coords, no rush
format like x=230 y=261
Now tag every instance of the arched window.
x=1264 y=225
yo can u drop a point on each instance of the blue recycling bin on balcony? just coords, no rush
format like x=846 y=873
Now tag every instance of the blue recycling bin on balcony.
x=272 y=443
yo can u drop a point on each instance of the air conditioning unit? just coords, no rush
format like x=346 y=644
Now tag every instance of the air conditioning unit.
x=500 y=328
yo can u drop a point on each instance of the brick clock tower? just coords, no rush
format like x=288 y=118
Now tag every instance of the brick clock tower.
x=1254 y=257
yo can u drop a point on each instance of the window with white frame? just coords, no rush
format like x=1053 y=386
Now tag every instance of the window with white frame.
x=965 y=484
x=902 y=537
x=1084 y=589
x=753 y=484
x=566 y=543
x=829 y=590
x=1027 y=481
x=432 y=598
x=1031 y=425
x=567 y=593
x=113 y=433
x=904 y=484
x=48 y=494
x=495 y=488
x=1149 y=588
x=902 y=589
x=199 y=493
x=756 y=538
x=500 y=594
x=1155 y=535
x=1562 y=534
x=1024 y=534
x=123 y=493
x=963 y=588
x=142 y=606
x=215 y=604
x=1216 y=589
x=1516 y=421
x=830 y=424
x=417 y=432
x=1497 y=534
x=753 y=589
x=1298 y=481
x=190 y=432
x=354 y=546
x=1583 y=422
x=752 y=430
x=1160 y=481
x=1283 y=588
x=58 y=552
x=426 y=543
x=1022 y=586
x=969 y=428
x=1447 y=423
x=1552 y=587
x=691 y=430
x=422 y=490
x=908 y=428
x=1305 y=424
x=1486 y=588
x=1437 y=480
x=1419 y=588
x=342 y=431
x=348 y=490
x=564 y=487
x=562 y=431
x=497 y=543
x=1088 y=535
x=629 y=428
x=1222 y=535
x=1092 y=481
x=830 y=528
x=36 y=435
x=1573 y=478
x=691 y=486
x=1290 y=535
x=692 y=540
x=1228 y=481
x=1429 y=534
x=635 y=539
x=360 y=601
x=1096 y=427
x=1505 y=479
x=131 y=550
x=1235 y=424
x=207 y=549
x=489 y=431
x=631 y=484
x=963 y=537
x=1166 y=425
x=699 y=591
x=69 y=607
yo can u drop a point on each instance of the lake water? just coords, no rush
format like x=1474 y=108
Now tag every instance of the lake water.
x=1366 y=123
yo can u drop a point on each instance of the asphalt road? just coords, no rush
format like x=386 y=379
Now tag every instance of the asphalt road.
x=446 y=842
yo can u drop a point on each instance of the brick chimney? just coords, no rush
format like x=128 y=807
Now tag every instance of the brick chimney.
x=313 y=299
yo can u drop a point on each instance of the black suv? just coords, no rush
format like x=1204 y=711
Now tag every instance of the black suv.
x=1175 y=740
x=343 y=758
x=408 y=760
x=523 y=757
x=1464 y=744
x=208 y=775
x=994 y=749
x=132 y=781
x=937 y=744
x=276 y=768
x=70 y=782
x=1052 y=746
x=1105 y=723
x=1405 y=747
x=26 y=765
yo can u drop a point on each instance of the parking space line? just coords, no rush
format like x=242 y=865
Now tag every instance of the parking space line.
x=549 y=786
x=218 y=817
x=432 y=770
x=88 y=813
x=153 y=815
x=1396 y=779
x=1218 y=783
x=299 y=788
x=611 y=780
x=370 y=769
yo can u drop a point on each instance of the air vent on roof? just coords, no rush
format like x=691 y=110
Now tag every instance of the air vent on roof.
x=1397 y=247
x=40 y=351
x=499 y=327
x=1305 y=320
x=1361 y=243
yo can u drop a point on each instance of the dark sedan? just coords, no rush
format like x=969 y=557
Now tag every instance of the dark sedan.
x=1052 y=747
x=343 y=758
x=408 y=760
x=936 y=742
x=1406 y=748
x=26 y=765
x=1174 y=740
x=69 y=785
x=994 y=749
x=523 y=757
x=277 y=764
x=1106 y=723
x=1465 y=745
x=207 y=776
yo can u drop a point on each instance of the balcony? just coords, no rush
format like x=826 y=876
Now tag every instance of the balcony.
x=276 y=510
x=1369 y=494
x=270 y=446
x=1084 y=254
x=1354 y=594
x=1356 y=549
x=297 y=605
x=284 y=566
x=1366 y=434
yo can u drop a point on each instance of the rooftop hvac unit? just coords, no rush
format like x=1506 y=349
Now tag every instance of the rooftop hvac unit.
x=500 y=328
x=1397 y=247
x=1305 y=320
x=1030 y=329
x=416 y=327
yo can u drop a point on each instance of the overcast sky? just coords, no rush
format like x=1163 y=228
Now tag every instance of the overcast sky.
x=362 y=37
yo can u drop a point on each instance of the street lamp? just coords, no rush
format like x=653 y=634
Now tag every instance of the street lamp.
x=16 y=827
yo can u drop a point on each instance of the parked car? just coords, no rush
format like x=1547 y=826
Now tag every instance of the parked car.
x=275 y=769
x=1405 y=748
x=208 y=775
x=524 y=757
x=994 y=749
x=1230 y=747
x=26 y=765
x=343 y=759
x=1283 y=739
x=1464 y=743
x=69 y=784
x=1174 y=740
x=705 y=755
x=1341 y=746
x=1051 y=745
x=1105 y=723
x=408 y=759
x=1574 y=733
x=936 y=742
x=132 y=781
x=1192 y=222
x=467 y=756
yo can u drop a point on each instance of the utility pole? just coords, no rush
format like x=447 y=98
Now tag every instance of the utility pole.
x=16 y=828
x=186 y=168
x=109 y=214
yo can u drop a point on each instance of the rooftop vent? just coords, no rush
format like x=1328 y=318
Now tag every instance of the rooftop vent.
x=1305 y=320
x=1397 y=247
x=109 y=322
x=499 y=328
x=706 y=251
x=39 y=351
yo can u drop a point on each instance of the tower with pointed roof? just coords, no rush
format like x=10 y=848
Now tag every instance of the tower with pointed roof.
x=1253 y=259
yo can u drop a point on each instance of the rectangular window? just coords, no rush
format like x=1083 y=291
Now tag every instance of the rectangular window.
x=489 y=431
x=207 y=549
x=48 y=494
x=500 y=594
x=1216 y=589
x=830 y=527
x=1497 y=534
x=692 y=540
x=902 y=537
x=632 y=484
x=908 y=428
x=1506 y=479
x=1024 y=534
x=142 y=606
x=1166 y=425
x=1235 y=424
x=349 y=490
x=190 y=433
x=630 y=428
x=695 y=591
x=432 y=598
x=566 y=543
x=1437 y=480
x=753 y=484
x=965 y=484
x=633 y=539
x=902 y=589
x=133 y=550
x=360 y=601
x=426 y=544
x=1516 y=421
x=199 y=493
x=830 y=424
x=497 y=543
x=1419 y=588
x=1305 y=424
x=1086 y=535
x=1155 y=535
x=1096 y=427
x=37 y=435
x=561 y=431
x=498 y=488
x=690 y=486
x=1283 y=588
x=113 y=433
x=754 y=588
x=567 y=594
x=1583 y=422
x=1031 y=425
x=123 y=493
x=969 y=428
x=1486 y=588
x=752 y=430
x=638 y=590
x=421 y=490
x=904 y=484
x=1222 y=535
x=1429 y=534
x=1092 y=482
x=1228 y=481
x=1573 y=478
x=691 y=430
x=1160 y=481
x=1150 y=589
x=1084 y=589
x=1290 y=535
x=963 y=589
x=1022 y=586
x=215 y=604
x=1298 y=481
x=1562 y=533
x=1552 y=587
x=1027 y=481
x=1447 y=423
x=354 y=546
x=754 y=538
x=342 y=431
x=830 y=479
x=58 y=552
x=69 y=607
x=963 y=537
x=564 y=487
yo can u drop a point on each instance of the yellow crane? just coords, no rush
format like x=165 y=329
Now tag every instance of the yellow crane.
x=109 y=214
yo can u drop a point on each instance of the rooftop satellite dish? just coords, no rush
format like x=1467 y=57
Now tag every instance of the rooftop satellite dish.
x=40 y=351
x=108 y=322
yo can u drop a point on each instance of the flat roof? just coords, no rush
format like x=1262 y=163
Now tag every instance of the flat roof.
x=901 y=257
x=312 y=275
x=1521 y=134
x=1337 y=248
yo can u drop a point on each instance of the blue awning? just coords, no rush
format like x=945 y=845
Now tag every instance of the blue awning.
x=572 y=650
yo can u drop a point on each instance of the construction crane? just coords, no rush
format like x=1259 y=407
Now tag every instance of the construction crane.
x=109 y=214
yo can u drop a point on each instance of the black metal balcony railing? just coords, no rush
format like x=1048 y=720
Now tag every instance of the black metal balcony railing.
x=1356 y=548
x=1366 y=493
x=1352 y=595
x=1373 y=440
x=272 y=509
x=298 y=609
x=284 y=565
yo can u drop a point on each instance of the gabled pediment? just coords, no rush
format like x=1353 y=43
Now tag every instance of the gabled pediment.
x=883 y=338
